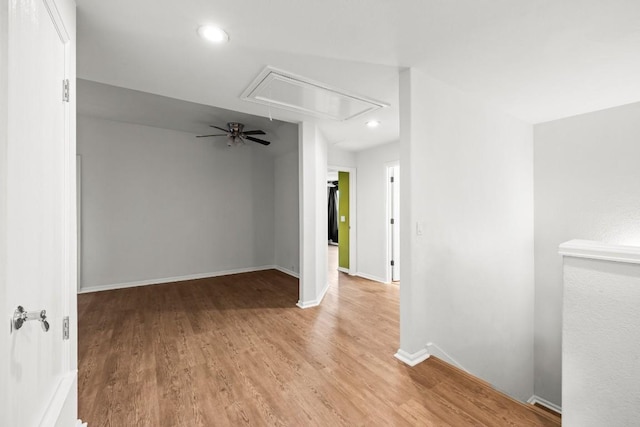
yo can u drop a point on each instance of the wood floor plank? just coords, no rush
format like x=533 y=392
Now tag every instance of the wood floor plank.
x=235 y=350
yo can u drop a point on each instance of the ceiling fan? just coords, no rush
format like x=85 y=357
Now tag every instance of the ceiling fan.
x=236 y=134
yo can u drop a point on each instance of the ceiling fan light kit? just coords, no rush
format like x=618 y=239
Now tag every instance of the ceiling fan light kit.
x=236 y=135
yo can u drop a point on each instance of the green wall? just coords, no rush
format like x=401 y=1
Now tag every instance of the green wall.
x=343 y=227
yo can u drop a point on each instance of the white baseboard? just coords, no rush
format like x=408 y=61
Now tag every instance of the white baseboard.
x=436 y=351
x=371 y=277
x=343 y=270
x=111 y=287
x=63 y=402
x=412 y=359
x=315 y=302
x=81 y=424
x=286 y=271
x=540 y=401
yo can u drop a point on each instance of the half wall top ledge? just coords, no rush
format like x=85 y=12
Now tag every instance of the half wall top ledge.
x=599 y=250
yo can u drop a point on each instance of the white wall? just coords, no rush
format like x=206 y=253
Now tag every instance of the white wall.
x=313 y=215
x=586 y=187
x=287 y=224
x=372 y=209
x=467 y=181
x=600 y=336
x=339 y=157
x=160 y=204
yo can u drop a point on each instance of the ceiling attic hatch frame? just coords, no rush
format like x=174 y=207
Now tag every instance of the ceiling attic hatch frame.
x=281 y=89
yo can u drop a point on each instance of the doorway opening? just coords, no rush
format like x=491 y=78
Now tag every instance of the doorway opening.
x=341 y=221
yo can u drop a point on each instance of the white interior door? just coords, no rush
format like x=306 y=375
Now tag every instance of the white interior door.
x=394 y=213
x=40 y=216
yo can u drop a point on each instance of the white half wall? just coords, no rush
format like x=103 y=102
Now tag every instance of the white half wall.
x=586 y=187
x=287 y=222
x=600 y=335
x=158 y=203
x=313 y=215
x=467 y=214
x=372 y=208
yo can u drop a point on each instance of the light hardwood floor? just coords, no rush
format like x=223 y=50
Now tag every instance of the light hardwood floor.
x=235 y=350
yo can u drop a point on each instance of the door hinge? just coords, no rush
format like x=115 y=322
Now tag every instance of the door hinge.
x=393 y=221
x=392 y=179
x=65 y=328
x=392 y=263
x=65 y=90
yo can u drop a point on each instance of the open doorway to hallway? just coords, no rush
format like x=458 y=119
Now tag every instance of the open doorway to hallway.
x=341 y=221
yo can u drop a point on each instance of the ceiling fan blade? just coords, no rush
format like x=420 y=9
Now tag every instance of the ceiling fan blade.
x=206 y=136
x=219 y=128
x=259 y=141
x=254 y=132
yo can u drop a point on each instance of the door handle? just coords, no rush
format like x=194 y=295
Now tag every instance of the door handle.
x=20 y=316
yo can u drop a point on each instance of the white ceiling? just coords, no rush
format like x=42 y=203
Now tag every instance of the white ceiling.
x=536 y=59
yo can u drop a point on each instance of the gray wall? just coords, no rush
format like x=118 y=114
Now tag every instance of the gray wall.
x=587 y=186
x=158 y=204
x=287 y=224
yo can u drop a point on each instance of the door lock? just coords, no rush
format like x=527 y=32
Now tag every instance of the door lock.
x=20 y=316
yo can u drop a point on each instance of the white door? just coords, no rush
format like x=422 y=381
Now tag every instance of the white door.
x=394 y=222
x=41 y=386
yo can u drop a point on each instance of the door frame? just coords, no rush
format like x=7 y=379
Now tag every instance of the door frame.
x=353 y=235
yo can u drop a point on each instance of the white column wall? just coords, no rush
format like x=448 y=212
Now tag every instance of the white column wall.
x=467 y=235
x=313 y=215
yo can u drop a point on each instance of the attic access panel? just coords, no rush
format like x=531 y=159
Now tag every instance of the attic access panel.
x=281 y=89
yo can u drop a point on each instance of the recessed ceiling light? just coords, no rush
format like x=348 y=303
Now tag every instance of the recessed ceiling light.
x=213 y=34
x=373 y=123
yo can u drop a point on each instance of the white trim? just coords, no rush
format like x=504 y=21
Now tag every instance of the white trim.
x=286 y=271
x=540 y=401
x=443 y=355
x=79 y=222
x=270 y=73
x=64 y=390
x=58 y=22
x=343 y=270
x=599 y=250
x=412 y=359
x=316 y=302
x=81 y=424
x=371 y=277
x=175 y=279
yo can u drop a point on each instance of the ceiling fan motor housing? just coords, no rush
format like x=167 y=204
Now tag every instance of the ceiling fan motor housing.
x=235 y=128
